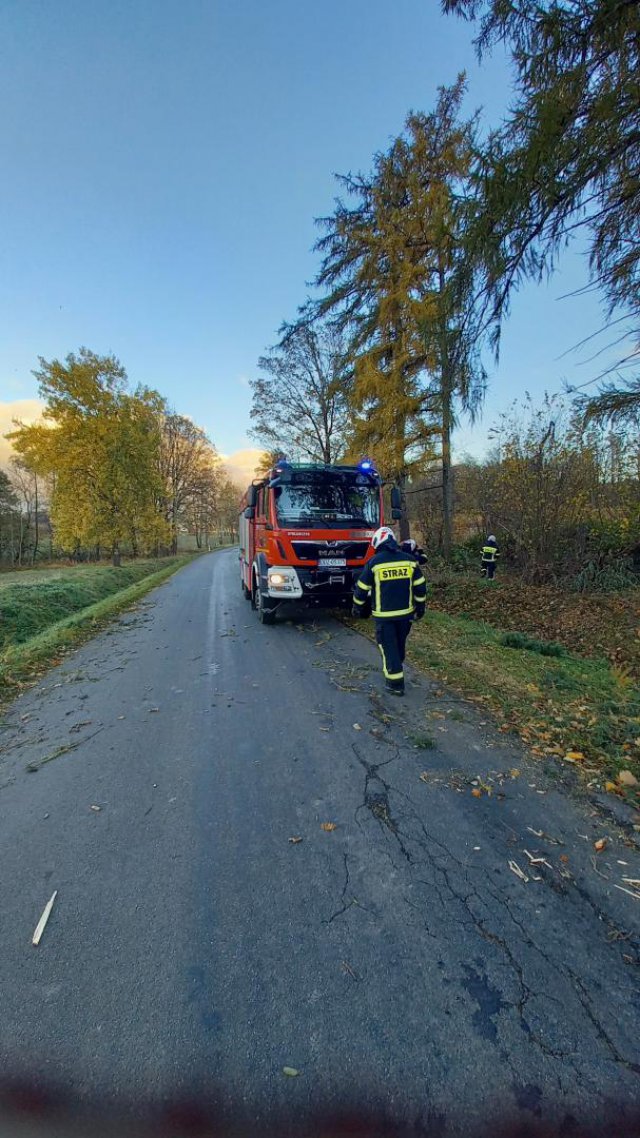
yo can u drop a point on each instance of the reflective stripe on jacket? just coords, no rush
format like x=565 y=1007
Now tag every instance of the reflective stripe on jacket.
x=393 y=582
x=489 y=552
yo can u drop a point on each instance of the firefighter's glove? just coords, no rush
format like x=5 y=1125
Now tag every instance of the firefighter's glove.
x=420 y=611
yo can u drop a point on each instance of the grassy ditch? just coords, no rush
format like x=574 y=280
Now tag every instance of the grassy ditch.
x=594 y=625
x=582 y=711
x=39 y=620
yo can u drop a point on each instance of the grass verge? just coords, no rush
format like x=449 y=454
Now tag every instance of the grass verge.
x=593 y=625
x=24 y=659
x=585 y=712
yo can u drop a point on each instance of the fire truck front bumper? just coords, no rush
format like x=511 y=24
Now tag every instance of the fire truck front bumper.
x=327 y=586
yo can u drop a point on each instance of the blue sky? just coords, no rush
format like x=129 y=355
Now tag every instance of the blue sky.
x=163 y=161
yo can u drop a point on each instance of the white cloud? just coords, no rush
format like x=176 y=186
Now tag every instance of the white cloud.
x=241 y=465
x=26 y=410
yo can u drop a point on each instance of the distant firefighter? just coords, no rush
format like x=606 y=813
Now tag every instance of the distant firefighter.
x=413 y=549
x=490 y=555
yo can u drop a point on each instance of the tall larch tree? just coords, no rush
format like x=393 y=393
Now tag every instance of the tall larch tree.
x=392 y=269
x=564 y=163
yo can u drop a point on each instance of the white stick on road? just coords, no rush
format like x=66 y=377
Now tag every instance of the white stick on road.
x=41 y=925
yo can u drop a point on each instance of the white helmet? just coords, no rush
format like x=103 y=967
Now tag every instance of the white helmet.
x=491 y=537
x=381 y=535
x=412 y=545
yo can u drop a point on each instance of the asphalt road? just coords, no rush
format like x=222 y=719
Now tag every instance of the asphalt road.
x=399 y=963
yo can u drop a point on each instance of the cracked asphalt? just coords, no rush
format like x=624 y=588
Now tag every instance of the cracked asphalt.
x=443 y=959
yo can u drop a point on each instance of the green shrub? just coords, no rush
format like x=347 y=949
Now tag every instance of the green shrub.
x=612 y=577
x=530 y=644
x=423 y=742
x=465 y=557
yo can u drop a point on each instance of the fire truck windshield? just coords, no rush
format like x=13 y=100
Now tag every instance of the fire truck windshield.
x=328 y=500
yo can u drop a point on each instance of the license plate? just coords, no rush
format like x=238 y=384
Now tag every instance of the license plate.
x=332 y=562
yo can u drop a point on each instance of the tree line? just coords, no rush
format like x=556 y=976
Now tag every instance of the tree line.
x=565 y=499
x=422 y=256
x=108 y=470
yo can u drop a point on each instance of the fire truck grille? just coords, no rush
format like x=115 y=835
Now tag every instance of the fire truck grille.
x=313 y=550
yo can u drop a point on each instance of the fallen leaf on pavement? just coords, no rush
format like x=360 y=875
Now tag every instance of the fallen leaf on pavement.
x=290 y=1071
x=294 y=841
x=357 y=727
x=96 y=808
x=564 y=858
x=574 y=756
x=611 y=787
x=424 y=777
x=328 y=826
x=476 y=793
x=600 y=845
x=626 y=778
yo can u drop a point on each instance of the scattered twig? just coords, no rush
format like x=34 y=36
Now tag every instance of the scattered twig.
x=537 y=860
x=629 y=891
x=547 y=837
x=64 y=750
x=515 y=868
x=602 y=875
x=346 y=967
x=41 y=925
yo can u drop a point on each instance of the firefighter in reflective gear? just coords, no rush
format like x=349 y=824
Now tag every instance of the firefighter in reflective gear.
x=392 y=588
x=411 y=547
x=489 y=556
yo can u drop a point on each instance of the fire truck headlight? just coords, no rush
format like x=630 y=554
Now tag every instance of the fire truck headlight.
x=284 y=581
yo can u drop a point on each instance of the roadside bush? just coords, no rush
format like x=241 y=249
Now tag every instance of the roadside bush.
x=467 y=555
x=530 y=644
x=612 y=577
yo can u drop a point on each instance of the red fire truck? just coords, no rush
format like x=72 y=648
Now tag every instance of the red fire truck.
x=305 y=534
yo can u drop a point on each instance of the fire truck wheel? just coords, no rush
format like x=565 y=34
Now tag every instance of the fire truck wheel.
x=266 y=614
